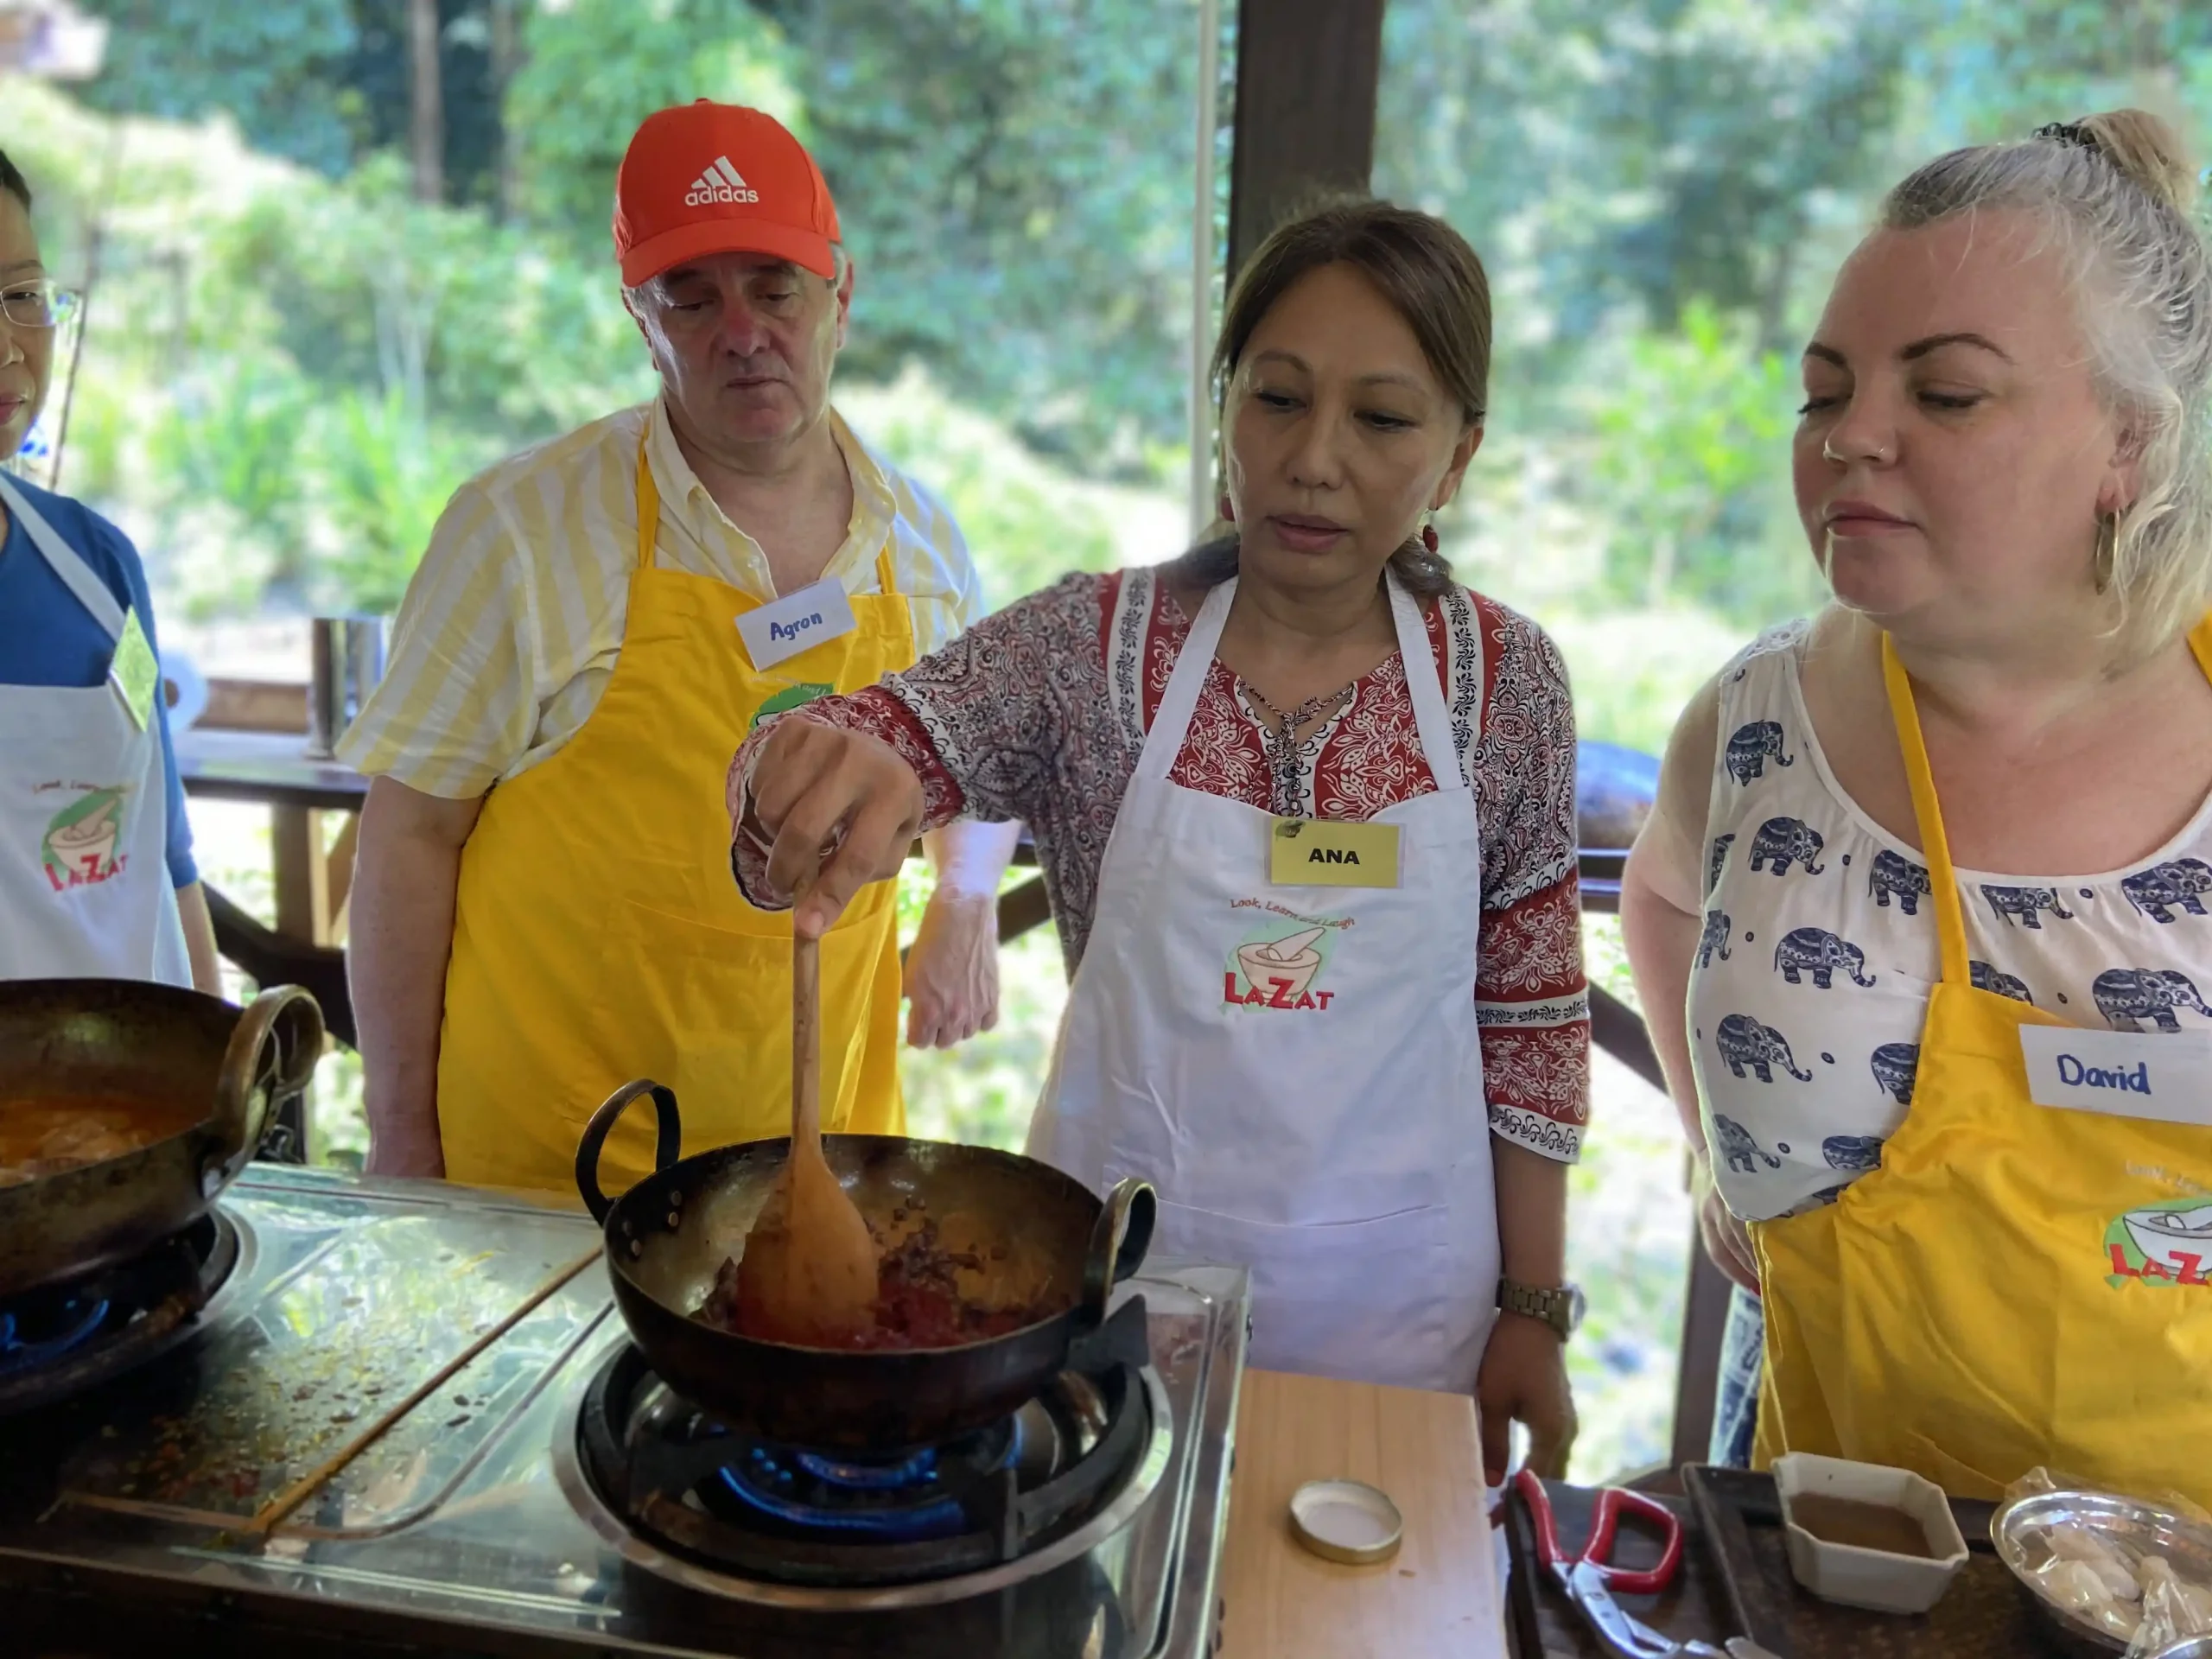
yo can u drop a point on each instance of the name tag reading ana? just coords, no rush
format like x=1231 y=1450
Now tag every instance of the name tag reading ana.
x=797 y=622
x=2165 y=1074
x=1317 y=852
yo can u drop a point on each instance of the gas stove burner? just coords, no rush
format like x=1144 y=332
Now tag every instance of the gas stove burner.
x=906 y=1498
x=929 y=1494
x=687 y=1497
x=75 y=1322
x=61 y=1340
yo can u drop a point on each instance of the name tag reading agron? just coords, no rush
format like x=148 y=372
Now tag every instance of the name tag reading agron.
x=797 y=622
x=1318 y=853
x=2165 y=1074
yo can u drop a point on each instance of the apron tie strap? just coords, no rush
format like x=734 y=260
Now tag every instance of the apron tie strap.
x=648 y=504
x=1935 y=846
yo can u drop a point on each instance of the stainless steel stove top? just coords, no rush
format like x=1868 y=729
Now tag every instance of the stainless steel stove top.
x=462 y=1528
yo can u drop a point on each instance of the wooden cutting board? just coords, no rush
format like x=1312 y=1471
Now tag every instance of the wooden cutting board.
x=1437 y=1600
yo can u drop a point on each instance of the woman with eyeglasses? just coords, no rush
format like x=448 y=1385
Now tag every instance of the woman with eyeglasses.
x=96 y=878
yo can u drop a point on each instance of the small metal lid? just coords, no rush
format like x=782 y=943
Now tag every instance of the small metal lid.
x=1346 y=1521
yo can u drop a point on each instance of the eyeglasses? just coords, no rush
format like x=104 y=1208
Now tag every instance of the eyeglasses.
x=38 y=302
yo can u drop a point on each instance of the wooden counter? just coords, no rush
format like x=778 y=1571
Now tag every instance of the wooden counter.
x=1439 y=1599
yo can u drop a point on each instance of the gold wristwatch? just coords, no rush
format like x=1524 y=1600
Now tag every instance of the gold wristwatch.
x=1561 y=1308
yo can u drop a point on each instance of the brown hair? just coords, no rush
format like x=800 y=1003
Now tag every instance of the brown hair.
x=1433 y=279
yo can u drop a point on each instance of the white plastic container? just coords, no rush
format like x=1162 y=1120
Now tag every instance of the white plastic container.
x=1869 y=1577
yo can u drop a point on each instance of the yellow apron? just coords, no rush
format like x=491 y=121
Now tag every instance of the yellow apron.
x=1976 y=1306
x=600 y=937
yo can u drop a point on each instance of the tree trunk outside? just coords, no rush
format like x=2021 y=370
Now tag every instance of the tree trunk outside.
x=427 y=131
x=506 y=63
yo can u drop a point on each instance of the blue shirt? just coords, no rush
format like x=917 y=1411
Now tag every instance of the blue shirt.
x=48 y=638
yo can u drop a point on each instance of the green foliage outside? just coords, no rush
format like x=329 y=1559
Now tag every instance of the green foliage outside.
x=1663 y=193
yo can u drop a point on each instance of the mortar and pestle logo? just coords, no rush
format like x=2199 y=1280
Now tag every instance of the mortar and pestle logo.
x=1285 y=966
x=80 y=842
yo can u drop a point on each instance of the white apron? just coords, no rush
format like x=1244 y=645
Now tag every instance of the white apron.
x=1326 y=1127
x=84 y=889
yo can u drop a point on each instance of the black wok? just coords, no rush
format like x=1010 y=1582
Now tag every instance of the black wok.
x=198 y=1079
x=669 y=1234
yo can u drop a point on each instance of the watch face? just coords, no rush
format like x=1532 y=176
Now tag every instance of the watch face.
x=1577 y=1306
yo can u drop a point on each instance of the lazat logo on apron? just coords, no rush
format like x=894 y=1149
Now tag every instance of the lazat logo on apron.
x=2168 y=1243
x=791 y=698
x=1280 y=963
x=79 y=847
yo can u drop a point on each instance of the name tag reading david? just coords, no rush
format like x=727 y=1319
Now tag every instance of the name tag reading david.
x=1317 y=852
x=797 y=622
x=2166 y=1075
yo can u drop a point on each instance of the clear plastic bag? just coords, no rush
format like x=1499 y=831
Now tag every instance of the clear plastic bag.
x=2136 y=1566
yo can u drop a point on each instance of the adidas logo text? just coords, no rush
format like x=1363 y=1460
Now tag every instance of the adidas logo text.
x=720 y=182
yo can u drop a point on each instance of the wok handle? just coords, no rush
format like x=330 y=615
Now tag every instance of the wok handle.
x=272 y=1053
x=666 y=1150
x=1119 y=1239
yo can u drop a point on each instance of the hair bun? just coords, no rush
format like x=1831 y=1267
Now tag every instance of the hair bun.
x=2148 y=150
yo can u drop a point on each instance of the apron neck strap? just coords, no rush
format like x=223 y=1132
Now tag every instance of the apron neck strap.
x=67 y=563
x=1935 y=847
x=1172 y=723
x=648 y=503
x=886 y=579
x=1431 y=718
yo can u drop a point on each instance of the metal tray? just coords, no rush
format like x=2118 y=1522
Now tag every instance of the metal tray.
x=1984 y=1615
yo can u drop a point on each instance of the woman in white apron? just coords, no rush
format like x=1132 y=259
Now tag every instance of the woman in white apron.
x=96 y=876
x=1304 y=806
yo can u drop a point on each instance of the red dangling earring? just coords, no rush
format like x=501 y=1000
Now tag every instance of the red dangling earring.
x=1428 y=536
x=1227 y=509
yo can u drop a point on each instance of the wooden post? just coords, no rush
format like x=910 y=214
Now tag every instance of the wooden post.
x=1697 y=1375
x=507 y=61
x=1307 y=75
x=338 y=878
x=303 y=875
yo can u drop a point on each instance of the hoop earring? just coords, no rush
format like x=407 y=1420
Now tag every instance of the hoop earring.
x=2107 y=554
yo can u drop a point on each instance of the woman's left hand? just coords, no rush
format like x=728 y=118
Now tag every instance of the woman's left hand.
x=1523 y=1380
x=952 y=971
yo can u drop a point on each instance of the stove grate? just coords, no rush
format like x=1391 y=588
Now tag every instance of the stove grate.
x=60 y=1341
x=738 y=1503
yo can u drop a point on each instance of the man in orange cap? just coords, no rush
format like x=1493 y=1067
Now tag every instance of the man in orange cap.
x=595 y=626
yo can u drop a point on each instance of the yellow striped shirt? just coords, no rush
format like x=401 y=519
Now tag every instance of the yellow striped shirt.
x=511 y=625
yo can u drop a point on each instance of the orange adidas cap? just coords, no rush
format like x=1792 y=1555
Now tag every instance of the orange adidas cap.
x=709 y=178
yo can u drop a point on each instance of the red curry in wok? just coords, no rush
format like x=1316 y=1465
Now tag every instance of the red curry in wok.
x=920 y=1301
x=48 y=1135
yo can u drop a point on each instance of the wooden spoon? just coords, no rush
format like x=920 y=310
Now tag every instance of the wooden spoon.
x=807 y=1275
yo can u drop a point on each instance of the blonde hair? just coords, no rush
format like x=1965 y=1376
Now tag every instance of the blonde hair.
x=2117 y=197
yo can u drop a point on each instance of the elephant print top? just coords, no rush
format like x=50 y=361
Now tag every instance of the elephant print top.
x=1818 y=949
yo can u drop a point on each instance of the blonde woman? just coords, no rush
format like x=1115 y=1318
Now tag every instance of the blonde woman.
x=1922 y=908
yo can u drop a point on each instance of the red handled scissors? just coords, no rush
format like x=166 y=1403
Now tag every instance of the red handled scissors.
x=1591 y=1579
